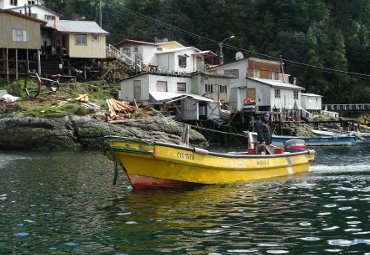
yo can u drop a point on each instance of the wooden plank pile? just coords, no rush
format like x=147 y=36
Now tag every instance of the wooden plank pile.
x=118 y=111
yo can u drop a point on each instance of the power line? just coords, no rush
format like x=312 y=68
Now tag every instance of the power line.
x=296 y=63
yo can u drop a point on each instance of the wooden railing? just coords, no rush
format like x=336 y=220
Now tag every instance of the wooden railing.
x=123 y=58
x=347 y=107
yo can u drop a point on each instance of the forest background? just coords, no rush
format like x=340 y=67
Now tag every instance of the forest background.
x=325 y=44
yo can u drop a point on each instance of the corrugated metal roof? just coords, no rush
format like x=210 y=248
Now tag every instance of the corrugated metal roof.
x=164 y=96
x=311 y=95
x=72 y=26
x=277 y=83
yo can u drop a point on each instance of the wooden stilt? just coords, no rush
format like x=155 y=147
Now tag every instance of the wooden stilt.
x=28 y=62
x=38 y=63
x=7 y=64
x=16 y=64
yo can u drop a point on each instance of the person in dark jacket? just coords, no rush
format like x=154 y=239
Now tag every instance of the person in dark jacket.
x=263 y=129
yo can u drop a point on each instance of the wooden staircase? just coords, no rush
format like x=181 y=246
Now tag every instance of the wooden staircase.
x=124 y=62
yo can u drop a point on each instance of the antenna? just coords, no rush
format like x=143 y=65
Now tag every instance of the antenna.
x=239 y=55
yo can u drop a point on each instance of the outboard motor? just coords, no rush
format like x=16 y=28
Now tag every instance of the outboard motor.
x=295 y=145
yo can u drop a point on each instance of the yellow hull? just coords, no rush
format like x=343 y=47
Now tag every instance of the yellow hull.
x=158 y=164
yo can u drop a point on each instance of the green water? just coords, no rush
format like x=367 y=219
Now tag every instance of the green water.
x=64 y=203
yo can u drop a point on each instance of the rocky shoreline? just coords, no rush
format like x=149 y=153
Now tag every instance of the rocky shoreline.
x=85 y=133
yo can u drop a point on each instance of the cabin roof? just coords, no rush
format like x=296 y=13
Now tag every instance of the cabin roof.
x=164 y=96
x=134 y=42
x=311 y=95
x=72 y=26
x=276 y=83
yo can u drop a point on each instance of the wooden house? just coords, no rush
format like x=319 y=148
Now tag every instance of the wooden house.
x=76 y=48
x=19 y=43
x=79 y=39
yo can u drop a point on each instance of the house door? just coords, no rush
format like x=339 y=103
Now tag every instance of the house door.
x=251 y=93
x=137 y=89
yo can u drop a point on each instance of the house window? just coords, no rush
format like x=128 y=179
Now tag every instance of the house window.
x=95 y=38
x=19 y=35
x=34 y=15
x=161 y=86
x=232 y=72
x=49 y=17
x=223 y=89
x=14 y=2
x=256 y=74
x=181 y=87
x=272 y=76
x=136 y=49
x=295 y=94
x=80 y=39
x=31 y=2
x=137 y=89
x=182 y=61
x=277 y=93
x=208 y=88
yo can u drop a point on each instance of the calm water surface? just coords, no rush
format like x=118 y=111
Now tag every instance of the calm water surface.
x=64 y=203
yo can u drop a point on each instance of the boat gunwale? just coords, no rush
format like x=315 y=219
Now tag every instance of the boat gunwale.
x=196 y=150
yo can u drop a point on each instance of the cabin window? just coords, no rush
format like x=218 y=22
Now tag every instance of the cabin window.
x=14 y=2
x=272 y=76
x=137 y=89
x=181 y=87
x=256 y=74
x=162 y=86
x=295 y=94
x=80 y=39
x=208 y=88
x=223 y=89
x=49 y=17
x=182 y=61
x=277 y=93
x=232 y=72
x=95 y=38
x=19 y=35
x=136 y=48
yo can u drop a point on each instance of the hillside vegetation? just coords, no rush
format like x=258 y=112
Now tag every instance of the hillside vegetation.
x=314 y=37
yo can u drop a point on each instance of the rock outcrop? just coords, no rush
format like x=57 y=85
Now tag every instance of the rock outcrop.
x=85 y=133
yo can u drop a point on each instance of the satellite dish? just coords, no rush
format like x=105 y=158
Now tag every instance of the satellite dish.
x=239 y=55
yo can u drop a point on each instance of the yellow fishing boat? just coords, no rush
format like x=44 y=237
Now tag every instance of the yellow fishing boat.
x=158 y=165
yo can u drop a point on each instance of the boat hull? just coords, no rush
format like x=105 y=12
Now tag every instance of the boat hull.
x=166 y=165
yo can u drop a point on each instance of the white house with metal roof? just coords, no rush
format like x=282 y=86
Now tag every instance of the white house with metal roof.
x=165 y=57
x=79 y=39
x=275 y=94
x=196 y=96
x=7 y=4
x=36 y=11
x=311 y=102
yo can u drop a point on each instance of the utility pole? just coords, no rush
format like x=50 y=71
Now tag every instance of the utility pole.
x=101 y=16
x=282 y=67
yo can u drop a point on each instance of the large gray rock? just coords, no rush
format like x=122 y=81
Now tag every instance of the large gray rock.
x=74 y=132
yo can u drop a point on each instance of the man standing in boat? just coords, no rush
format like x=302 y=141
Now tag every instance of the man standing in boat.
x=263 y=129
